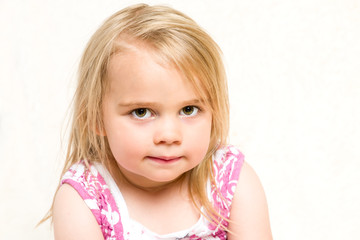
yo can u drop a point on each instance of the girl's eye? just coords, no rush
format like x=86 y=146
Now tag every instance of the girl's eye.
x=141 y=113
x=189 y=111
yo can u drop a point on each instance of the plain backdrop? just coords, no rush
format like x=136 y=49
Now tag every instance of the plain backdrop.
x=294 y=78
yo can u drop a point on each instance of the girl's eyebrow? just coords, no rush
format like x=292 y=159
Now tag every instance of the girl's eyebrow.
x=138 y=104
x=155 y=104
x=193 y=102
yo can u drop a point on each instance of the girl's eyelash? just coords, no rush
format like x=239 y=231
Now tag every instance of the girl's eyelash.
x=199 y=108
x=196 y=106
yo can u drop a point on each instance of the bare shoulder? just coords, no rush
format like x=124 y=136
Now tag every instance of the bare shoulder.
x=249 y=212
x=72 y=218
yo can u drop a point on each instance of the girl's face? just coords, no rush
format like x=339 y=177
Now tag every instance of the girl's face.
x=155 y=123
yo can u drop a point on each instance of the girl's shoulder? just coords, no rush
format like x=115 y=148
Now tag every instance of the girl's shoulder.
x=94 y=191
x=242 y=195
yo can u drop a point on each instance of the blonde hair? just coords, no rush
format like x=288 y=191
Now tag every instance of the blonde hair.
x=181 y=42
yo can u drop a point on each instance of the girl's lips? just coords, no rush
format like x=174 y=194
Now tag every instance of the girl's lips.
x=164 y=159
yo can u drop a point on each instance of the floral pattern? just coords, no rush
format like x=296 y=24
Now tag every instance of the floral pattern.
x=96 y=194
x=93 y=189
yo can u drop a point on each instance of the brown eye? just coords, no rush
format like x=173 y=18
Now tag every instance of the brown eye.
x=189 y=111
x=141 y=113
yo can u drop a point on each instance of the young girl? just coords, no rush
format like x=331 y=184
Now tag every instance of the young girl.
x=147 y=156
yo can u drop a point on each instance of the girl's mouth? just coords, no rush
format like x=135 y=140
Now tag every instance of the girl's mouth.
x=164 y=159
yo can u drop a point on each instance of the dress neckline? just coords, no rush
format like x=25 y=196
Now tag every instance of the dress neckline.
x=129 y=223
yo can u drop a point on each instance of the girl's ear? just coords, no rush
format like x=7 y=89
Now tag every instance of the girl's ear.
x=100 y=131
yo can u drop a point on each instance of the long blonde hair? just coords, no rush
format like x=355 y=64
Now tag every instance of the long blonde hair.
x=181 y=42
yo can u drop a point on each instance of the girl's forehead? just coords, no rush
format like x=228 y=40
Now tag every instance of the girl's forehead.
x=142 y=51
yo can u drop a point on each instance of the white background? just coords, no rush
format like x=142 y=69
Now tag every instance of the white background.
x=294 y=76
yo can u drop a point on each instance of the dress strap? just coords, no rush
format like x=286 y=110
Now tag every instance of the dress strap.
x=228 y=162
x=96 y=194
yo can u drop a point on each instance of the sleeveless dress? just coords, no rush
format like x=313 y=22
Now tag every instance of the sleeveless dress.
x=101 y=194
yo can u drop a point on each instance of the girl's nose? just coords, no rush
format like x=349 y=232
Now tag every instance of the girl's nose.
x=168 y=131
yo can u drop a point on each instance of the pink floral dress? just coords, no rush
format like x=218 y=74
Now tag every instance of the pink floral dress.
x=103 y=197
